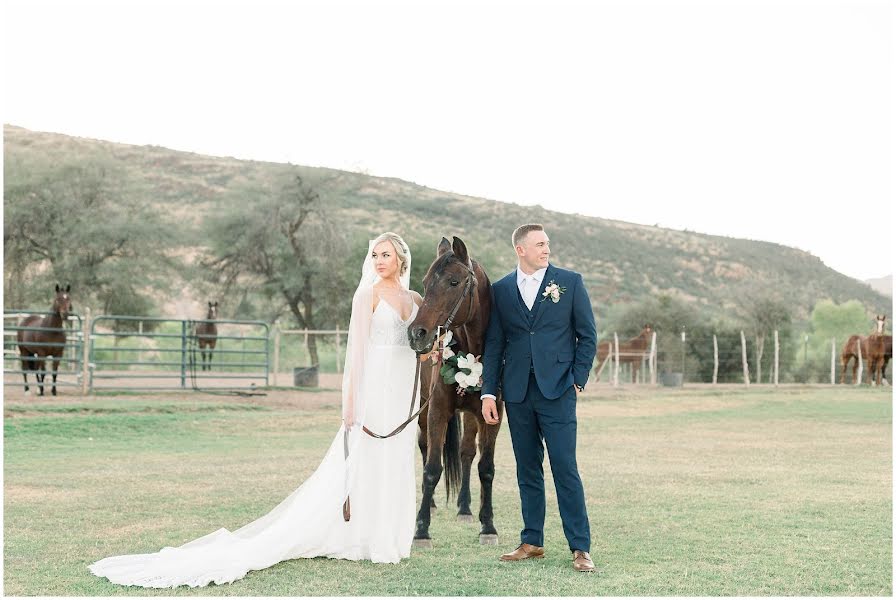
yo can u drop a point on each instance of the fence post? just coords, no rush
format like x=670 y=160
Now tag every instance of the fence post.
x=183 y=354
x=858 y=380
x=616 y=365
x=338 y=351
x=776 y=357
x=85 y=353
x=833 y=360
x=683 y=337
x=276 y=352
x=653 y=358
x=743 y=352
x=715 y=359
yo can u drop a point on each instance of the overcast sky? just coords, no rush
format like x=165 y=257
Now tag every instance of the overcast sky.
x=763 y=120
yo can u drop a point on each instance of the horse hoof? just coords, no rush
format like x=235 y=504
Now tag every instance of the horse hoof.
x=465 y=518
x=488 y=539
x=425 y=544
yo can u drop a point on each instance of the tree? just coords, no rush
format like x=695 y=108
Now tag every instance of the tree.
x=832 y=321
x=765 y=315
x=275 y=243
x=69 y=222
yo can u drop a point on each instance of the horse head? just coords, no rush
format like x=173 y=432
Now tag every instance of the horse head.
x=62 y=303
x=449 y=295
x=880 y=322
x=212 y=311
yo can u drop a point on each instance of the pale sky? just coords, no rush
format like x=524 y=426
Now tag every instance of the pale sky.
x=763 y=120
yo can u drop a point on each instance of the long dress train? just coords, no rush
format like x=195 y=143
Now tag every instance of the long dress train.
x=309 y=522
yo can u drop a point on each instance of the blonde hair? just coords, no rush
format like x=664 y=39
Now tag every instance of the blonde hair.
x=522 y=231
x=401 y=249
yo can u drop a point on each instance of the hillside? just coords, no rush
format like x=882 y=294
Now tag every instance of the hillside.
x=884 y=285
x=620 y=261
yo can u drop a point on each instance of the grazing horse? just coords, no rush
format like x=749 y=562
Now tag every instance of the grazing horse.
x=457 y=298
x=850 y=352
x=632 y=351
x=877 y=351
x=206 y=333
x=42 y=337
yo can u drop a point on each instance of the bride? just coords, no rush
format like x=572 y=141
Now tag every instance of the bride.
x=376 y=476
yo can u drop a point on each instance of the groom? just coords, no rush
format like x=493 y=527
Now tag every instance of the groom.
x=541 y=332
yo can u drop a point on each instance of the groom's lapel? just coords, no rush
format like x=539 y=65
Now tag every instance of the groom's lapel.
x=540 y=300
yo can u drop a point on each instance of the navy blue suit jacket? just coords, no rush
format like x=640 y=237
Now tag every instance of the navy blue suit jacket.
x=560 y=342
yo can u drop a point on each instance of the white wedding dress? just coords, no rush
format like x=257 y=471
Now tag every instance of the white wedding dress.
x=378 y=477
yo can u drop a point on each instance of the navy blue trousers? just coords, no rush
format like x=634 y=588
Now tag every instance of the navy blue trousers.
x=534 y=423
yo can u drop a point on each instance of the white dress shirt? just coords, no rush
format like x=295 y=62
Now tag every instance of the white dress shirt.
x=532 y=285
x=525 y=284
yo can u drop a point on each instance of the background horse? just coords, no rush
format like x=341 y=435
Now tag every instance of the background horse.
x=631 y=351
x=876 y=350
x=850 y=352
x=455 y=284
x=206 y=333
x=43 y=337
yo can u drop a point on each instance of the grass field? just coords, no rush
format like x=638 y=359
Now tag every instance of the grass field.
x=690 y=492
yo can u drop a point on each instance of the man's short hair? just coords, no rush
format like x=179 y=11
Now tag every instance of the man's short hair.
x=523 y=230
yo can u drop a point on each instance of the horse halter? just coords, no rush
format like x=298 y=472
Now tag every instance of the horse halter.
x=468 y=285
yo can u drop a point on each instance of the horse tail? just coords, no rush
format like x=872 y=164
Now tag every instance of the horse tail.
x=451 y=455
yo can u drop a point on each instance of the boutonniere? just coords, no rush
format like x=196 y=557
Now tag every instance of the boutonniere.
x=552 y=291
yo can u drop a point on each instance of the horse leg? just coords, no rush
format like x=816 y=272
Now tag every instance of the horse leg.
x=26 y=366
x=487 y=438
x=421 y=443
x=467 y=454
x=211 y=351
x=432 y=472
x=55 y=370
x=40 y=374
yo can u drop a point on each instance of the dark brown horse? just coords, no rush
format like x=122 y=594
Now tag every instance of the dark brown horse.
x=457 y=297
x=631 y=351
x=43 y=337
x=206 y=333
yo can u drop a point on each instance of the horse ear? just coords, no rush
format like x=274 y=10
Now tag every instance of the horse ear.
x=57 y=288
x=460 y=251
x=444 y=246
x=68 y=288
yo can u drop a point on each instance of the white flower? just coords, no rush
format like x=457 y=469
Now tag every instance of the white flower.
x=552 y=291
x=447 y=338
x=447 y=353
x=468 y=362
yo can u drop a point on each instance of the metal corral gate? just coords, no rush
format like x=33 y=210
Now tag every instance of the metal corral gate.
x=150 y=353
x=70 y=363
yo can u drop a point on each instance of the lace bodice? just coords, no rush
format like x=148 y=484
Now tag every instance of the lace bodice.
x=387 y=327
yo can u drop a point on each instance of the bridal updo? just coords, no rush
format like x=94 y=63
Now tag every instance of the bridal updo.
x=401 y=249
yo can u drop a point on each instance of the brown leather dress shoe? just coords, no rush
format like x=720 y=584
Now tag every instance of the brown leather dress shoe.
x=523 y=552
x=581 y=561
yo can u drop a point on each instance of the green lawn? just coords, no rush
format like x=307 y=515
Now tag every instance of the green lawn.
x=690 y=492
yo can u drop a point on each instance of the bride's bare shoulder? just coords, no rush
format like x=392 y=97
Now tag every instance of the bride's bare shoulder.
x=418 y=299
